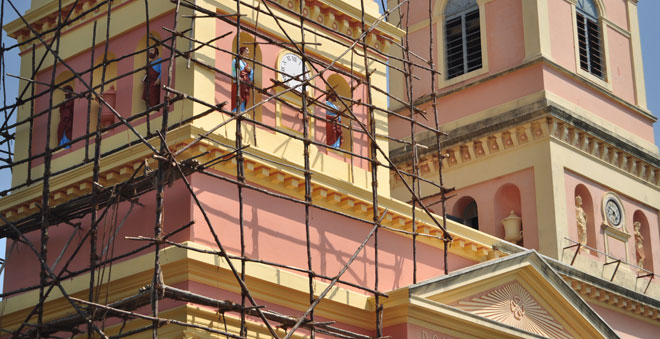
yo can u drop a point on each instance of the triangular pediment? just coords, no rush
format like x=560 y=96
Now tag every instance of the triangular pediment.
x=519 y=291
x=513 y=305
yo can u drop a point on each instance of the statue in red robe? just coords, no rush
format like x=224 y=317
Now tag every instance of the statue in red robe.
x=246 y=76
x=65 y=127
x=333 y=125
x=151 y=89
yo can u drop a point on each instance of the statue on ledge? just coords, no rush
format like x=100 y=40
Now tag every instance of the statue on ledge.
x=639 y=244
x=151 y=90
x=581 y=217
x=65 y=127
x=246 y=76
x=333 y=125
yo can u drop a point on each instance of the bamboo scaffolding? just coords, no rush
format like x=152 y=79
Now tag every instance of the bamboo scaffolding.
x=360 y=118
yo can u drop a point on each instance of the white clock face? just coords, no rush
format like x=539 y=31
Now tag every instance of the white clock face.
x=291 y=66
x=613 y=212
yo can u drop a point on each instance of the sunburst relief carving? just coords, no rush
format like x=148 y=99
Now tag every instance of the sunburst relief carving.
x=511 y=304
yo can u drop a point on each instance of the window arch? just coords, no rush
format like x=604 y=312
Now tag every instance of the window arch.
x=65 y=78
x=110 y=86
x=639 y=217
x=507 y=199
x=467 y=212
x=248 y=41
x=341 y=87
x=139 y=61
x=462 y=37
x=588 y=208
x=589 y=37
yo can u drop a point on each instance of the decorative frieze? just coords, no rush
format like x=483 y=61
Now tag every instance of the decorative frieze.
x=264 y=175
x=513 y=305
x=516 y=136
x=337 y=21
x=595 y=293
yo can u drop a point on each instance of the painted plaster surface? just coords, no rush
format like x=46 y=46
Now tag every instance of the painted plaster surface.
x=561 y=40
x=495 y=92
x=223 y=294
x=22 y=262
x=418 y=332
x=513 y=305
x=617 y=12
x=583 y=97
x=626 y=326
x=275 y=231
x=593 y=196
x=495 y=202
x=504 y=29
x=621 y=65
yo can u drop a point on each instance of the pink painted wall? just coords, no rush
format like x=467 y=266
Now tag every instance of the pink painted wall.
x=626 y=326
x=22 y=267
x=631 y=206
x=616 y=53
x=275 y=231
x=461 y=104
x=492 y=207
x=221 y=294
x=504 y=29
x=562 y=42
x=621 y=69
x=407 y=330
x=596 y=103
x=120 y=46
x=617 y=12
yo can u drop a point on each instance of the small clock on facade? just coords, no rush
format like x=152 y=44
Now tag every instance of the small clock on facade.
x=291 y=68
x=613 y=212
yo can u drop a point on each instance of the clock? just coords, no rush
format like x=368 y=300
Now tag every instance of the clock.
x=291 y=69
x=613 y=212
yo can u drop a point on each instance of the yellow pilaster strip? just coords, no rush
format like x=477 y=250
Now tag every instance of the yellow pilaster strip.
x=636 y=53
x=537 y=29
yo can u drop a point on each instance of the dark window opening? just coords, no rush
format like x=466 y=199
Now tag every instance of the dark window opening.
x=463 y=43
x=589 y=44
x=470 y=215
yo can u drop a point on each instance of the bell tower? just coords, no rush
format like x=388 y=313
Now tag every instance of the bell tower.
x=544 y=106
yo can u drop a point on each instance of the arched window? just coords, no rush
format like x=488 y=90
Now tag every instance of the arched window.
x=471 y=215
x=507 y=199
x=643 y=254
x=589 y=37
x=60 y=126
x=107 y=118
x=587 y=206
x=139 y=62
x=465 y=211
x=253 y=54
x=343 y=90
x=462 y=37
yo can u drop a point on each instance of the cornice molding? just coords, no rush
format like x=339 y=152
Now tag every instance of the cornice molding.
x=614 y=300
x=546 y=121
x=641 y=111
x=327 y=192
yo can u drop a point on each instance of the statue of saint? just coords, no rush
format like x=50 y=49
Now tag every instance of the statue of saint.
x=151 y=90
x=246 y=76
x=639 y=244
x=333 y=125
x=65 y=127
x=581 y=218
